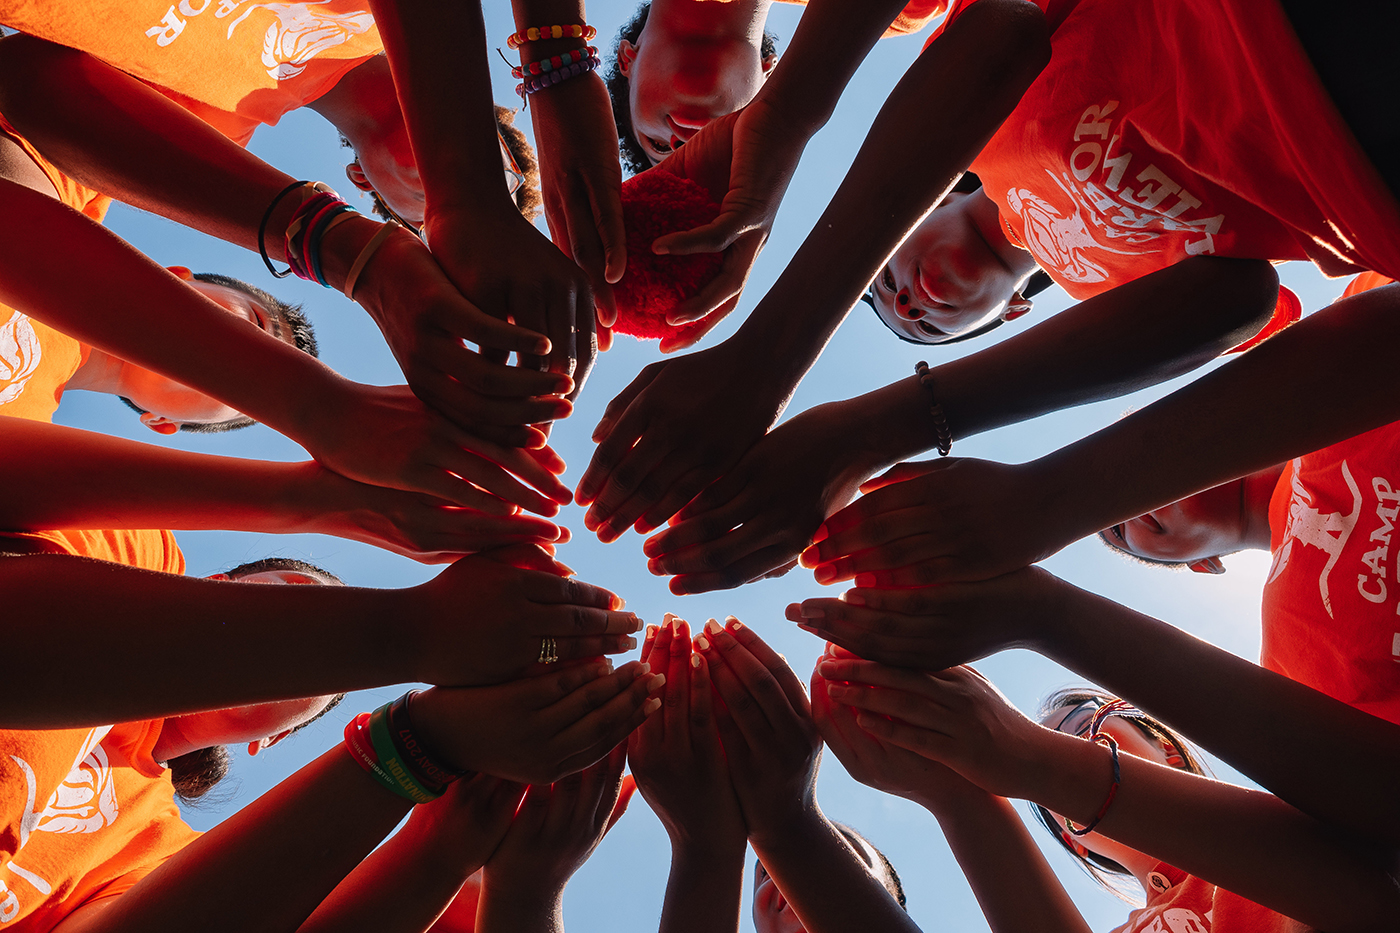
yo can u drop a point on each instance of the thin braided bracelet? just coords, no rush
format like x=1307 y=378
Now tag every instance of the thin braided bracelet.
x=539 y=33
x=1106 y=740
x=536 y=83
x=554 y=62
x=941 y=431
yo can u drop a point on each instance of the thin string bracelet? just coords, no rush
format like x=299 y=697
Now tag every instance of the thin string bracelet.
x=942 y=433
x=1106 y=740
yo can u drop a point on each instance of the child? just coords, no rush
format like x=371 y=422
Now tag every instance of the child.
x=718 y=774
x=1154 y=326
x=1114 y=786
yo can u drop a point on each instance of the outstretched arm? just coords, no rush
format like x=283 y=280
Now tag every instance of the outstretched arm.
x=117 y=135
x=654 y=456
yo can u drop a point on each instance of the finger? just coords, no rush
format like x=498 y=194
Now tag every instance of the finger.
x=877 y=622
x=907 y=707
x=602 y=726
x=557 y=590
x=604 y=333
x=751 y=694
x=625 y=791
x=557 y=684
x=746 y=570
x=464 y=468
x=781 y=571
x=676 y=499
x=673 y=706
x=775 y=663
x=613 y=413
x=704 y=734
x=652 y=631
x=660 y=481
x=714 y=237
x=650 y=489
x=729 y=508
x=592 y=646
x=615 y=446
x=890 y=499
x=680 y=339
x=568 y=798
x=602 y=783
x=463 y=320
x=898 y=652
x=535 y=470
x=923 y=742
x=722 y=292
x=489 y=378
x=901 y=472
x=606 y=202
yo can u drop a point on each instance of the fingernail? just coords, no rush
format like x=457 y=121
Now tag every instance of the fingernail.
x=713 y=627
x=643 y=668
x=695 y=660
x=825 y=573
x=813 y=612
x=702 y=643
x=656 y=682
x=865 y=579
x=666 y=619
x=651 y=706
x=734 y=624
x=651 y=631
x=854 y=599
x=602 y=670
x=654 y=568
x=630 y=643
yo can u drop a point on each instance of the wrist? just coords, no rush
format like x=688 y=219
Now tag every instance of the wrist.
x=786 y=826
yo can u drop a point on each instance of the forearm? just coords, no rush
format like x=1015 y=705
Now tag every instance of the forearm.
x=704 y=888
x=404 y=885
x=117 y=135
x=81 y=479
x=173 y=644
x=437 y=52
x=150 y=318
x=1340 y=763
x=539 y=910
x=1246 y=841
x=922 y=140
x=1338 y=372
x=1014 y=885
x=827 y=884
x=268 y=866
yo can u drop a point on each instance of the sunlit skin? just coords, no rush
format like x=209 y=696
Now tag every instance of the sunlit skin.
x=692 y=63
x=169 y=404
x=261 y=725
x=771 y=911
x=1231 y=517
x=955 y=273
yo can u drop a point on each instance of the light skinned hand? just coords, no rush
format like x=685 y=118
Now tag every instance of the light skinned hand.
x=581 y=182
x=954 y=717
x=538 y=729
x=760 y=515
x=511 y=271
x=877 y=763
x=939 y=521
x=483 y=619
x=766 y=726
x=660 y=442
x=676 y=755
x=470 y=819
x=425 y=319
x=935 y=627
x=386 y=436
x=424 y=528
x=558 y=826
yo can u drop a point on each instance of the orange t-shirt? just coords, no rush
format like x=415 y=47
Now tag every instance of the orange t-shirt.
x=1180 y=903
x=1331 y=602
x=233 y=63
x=1365 y=282
x=1160 y=131
x=915 y=16
x=84 y=814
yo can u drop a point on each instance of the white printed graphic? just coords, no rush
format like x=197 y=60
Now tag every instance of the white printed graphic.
x=20 y=354
x=84 y=802
x=1057 y=242
x=1307 y=526
x=301 y=33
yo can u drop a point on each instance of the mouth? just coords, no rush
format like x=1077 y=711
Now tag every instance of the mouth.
x=925 y=294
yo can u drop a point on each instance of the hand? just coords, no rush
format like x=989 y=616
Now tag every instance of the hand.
x=425 y=528
x=757 y=149
x=386 y=436
x=425 y=318
x=877 y=763
x=483 y=619
x=660 y=442
x=538 y=729
x=954 y=717
x=677 y=757
x=581 y=181
x=505 y=267
x=761 y=514
x=466 y=824
x=939 y=521
x=557 y=829
x=769 y=737
x=936 y=627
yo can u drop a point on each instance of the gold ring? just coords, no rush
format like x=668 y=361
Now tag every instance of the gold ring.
x=549 y=651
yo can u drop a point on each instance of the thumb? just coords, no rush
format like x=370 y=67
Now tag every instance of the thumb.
x=714 y=237
x=624 y=797
x=901 y=472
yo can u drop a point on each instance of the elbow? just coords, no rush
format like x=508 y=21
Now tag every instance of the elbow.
x=1244 y=295
x=30 y=67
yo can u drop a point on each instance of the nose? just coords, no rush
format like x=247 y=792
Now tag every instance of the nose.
x=904 y=307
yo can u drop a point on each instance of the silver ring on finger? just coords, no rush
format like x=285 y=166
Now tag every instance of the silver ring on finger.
x=549 y=651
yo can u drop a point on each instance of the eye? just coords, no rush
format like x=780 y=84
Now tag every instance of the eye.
x=887 y=279
x=928 y=330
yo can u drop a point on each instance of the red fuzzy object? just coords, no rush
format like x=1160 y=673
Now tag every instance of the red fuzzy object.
x=655 y=203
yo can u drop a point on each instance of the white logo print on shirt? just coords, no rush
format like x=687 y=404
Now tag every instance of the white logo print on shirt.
x=301 y=33
x=20 y=354
x=1328 y=532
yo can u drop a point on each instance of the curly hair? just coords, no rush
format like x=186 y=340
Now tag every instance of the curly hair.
x=635 y=160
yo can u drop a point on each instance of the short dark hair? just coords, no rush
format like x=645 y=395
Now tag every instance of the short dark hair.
x=289 y=317
x=893 y=884
x=1149 y=561
x=197 y=773
x=634 y=159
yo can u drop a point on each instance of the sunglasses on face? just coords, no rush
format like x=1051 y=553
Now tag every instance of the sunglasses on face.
x=513 y=175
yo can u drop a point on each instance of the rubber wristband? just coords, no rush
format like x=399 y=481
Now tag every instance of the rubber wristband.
x=366 y=254
x=357 y=741
x=262 y=229
x=429 y=772
x=391 y=761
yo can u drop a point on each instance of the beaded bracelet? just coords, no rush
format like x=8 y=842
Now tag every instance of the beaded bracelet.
x=539 y=33
x=536 y=83
x=554 y=62
x=942 y=433
x=1106 y=740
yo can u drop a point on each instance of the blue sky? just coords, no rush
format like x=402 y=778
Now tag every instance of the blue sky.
x=622 y=886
